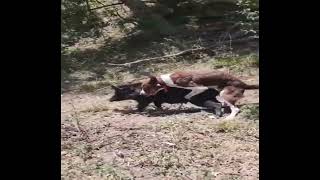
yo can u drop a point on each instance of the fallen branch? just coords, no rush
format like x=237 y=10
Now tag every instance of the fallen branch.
x=115 y=4
x=181 y=53
x=161 y=57
x=104 y=6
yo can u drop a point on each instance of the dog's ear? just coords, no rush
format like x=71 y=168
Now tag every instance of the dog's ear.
x=153 y=80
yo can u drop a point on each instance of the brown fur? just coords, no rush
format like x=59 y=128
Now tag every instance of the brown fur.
x=232 y=88
x=209 y=78
x=232 y=94
x=197 y=78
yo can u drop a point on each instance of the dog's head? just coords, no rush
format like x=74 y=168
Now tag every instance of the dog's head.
x=126 y=92
x=150 y=87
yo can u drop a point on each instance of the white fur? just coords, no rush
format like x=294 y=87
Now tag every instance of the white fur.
x=221 y=93
x=198 y=90
x=167 y=79
x=142 y=92
x=213 y=117
x=234 y=112
x=234 y=109
x=213 y=87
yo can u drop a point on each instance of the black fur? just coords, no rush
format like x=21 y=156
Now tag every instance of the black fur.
x=172 y=96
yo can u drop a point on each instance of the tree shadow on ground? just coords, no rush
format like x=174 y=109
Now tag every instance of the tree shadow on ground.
x=144 y=44
x=158 y=113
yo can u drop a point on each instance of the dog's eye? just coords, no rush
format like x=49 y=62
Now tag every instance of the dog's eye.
x=158 y=85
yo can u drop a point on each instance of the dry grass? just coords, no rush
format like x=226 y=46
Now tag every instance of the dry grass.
x=134 y=146
x=99 y=143
x=227 y=127
x=235 y=62
x=95 y=109
x=93 y=86
x=251 y=112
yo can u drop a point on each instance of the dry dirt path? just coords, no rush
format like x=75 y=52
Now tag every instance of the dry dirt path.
x=99 y=141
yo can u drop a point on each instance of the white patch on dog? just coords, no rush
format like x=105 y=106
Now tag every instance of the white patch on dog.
x=234 y=112
x=221 y=93
x=221 y=100
x=234 y=109
x=213 y=87
x=213 y=117
x=195 y=90
x=198 y=90
x=167 y=79
x=142 y=92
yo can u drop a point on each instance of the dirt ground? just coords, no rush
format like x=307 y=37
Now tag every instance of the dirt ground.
x=104 y=140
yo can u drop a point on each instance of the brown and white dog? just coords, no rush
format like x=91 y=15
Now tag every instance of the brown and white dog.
x=231 y=88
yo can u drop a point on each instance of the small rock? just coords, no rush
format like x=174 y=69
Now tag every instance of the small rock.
x=215 y=174
x=119 y=154
x=170 y=144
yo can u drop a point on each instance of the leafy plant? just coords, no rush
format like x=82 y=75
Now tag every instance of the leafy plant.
x=248 y=16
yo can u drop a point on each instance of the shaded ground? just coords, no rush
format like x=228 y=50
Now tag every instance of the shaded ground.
x=89 y=59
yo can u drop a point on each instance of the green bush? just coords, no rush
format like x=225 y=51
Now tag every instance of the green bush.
x=248 y=16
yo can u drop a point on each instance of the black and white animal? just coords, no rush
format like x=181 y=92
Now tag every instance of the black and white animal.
x=170 y=95
x=231 y=88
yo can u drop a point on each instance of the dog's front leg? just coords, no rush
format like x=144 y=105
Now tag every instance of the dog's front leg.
x=217 y=107
x=141 y=106
x=234 y=109
x=158 y=105
x=234 y=112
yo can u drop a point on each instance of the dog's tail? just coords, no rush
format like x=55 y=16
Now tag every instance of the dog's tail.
x=243 y=85
x=254 y=86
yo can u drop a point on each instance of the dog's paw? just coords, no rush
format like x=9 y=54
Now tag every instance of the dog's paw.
x=213 y=117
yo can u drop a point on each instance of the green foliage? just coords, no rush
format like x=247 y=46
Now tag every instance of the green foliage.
x=251 y=112
x=162 y=17
x=227 y=127
x=77 y=21
x=237 y=62
x=248 y=16
x=111 y=172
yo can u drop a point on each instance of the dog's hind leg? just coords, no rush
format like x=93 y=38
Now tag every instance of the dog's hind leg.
x=158 y=105
x=217 y=107
x=234 y=109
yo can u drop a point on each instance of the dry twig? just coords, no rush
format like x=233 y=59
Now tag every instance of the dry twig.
x=182 y=52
